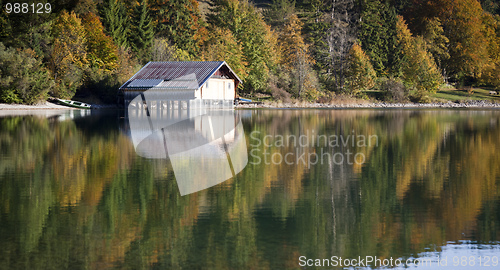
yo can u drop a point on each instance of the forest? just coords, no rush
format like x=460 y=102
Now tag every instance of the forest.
x=311 y=50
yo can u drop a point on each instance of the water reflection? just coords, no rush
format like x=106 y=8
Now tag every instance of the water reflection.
x=74 y=193
x=204 y=145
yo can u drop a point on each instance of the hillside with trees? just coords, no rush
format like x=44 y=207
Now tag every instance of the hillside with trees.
x=305 y=49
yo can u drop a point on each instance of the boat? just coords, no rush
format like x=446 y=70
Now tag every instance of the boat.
x=74 y=104
x=239 y=99
x=245 y=100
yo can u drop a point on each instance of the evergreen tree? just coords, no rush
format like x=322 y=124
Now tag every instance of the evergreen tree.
x=142 y=33
x=490 y=6
x=278 y=12
x=378 y=36
x=180 y=22
x=436 y=41
x=258 y=42
x=114 y=18
x=315 y=30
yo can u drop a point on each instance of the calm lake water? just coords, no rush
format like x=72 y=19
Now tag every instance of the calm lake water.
x=417 y=185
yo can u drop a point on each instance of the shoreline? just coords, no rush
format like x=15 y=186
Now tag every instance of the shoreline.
x=297 y=105
x=41 y=106
x=372 y=105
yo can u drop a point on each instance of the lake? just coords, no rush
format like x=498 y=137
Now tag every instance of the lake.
x=321 y=188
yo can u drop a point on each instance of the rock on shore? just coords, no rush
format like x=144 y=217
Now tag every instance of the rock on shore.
x=464 y=104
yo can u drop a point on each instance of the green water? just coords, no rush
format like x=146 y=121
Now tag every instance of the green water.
x=75 y=195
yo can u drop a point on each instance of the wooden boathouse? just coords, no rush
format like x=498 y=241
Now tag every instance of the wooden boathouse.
x=210 y=83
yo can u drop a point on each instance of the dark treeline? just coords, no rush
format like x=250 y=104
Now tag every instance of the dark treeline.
x=308 y=49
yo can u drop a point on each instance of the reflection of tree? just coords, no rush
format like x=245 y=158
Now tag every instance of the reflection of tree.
x=437 y=176
x=80 y=198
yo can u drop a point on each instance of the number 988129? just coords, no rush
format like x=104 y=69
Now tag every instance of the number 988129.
x=24 y=8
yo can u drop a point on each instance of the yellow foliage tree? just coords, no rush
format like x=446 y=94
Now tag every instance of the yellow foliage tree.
x=102 y=52
x=294 y=57
x=491 y=72
x=223 y=46
x=68 y=56
x=419 y=69
x=360 y=74
x=291 y=43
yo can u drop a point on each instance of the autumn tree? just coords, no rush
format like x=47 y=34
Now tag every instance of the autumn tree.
x=292 y=45
x=490 y=75
x=163 y=50
x=462 y=22
x=101 y=51
x=295 y=57
x=419 y=69
x=68 y=56
x=359 y=74
x=223 y=46
x=468 y=47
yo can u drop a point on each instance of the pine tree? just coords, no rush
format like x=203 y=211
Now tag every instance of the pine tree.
x=378 y=37
x=436 y=41
x=259 y=44
x=142 y=33
x=114 y=18
x=278 y=12
x=180 y=22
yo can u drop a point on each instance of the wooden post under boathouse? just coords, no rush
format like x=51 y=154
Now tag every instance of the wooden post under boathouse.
x=182 y=85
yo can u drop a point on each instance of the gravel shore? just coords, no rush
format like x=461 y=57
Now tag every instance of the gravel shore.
x=465 y=104
x=42 y=106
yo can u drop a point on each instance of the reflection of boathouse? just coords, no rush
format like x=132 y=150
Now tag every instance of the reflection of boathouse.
x=184 y=84
x=183 y=111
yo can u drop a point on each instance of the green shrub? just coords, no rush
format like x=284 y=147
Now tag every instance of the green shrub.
x=23 y=78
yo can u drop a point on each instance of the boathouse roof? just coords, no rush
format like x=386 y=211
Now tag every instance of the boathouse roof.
x=157 y=74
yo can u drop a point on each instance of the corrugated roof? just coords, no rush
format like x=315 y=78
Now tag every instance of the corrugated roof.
x=145 y=83
x=168 y=71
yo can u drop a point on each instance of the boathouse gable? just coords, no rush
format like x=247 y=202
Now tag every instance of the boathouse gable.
x=211 y=81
